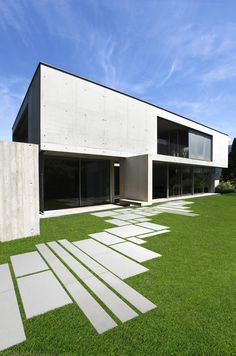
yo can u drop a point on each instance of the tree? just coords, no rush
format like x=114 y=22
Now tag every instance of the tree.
x=230 y=172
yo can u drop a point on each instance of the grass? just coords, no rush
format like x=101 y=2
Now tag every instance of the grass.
x=192 y=284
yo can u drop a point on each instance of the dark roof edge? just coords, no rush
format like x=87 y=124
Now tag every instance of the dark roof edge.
x=117 y=91
x=35 y=72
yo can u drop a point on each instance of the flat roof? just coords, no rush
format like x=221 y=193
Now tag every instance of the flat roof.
x=115 y=90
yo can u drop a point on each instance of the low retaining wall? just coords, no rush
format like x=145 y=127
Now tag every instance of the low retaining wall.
x=19 y=190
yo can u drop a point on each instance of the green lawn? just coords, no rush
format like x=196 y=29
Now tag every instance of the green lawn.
x=193 y=285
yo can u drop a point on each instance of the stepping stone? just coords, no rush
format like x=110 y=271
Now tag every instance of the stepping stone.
x=103 y=214
x=80 y=255
x=120 y=265
x=117 y=222
x=128 y=216
x=98 y=317
x=131 y=295
x=11 y=326
x=153 y=226
x=128 y=231
x=144 y=213
x=107 y=296
x=174 y=211
x=28 y=263
x=106 y=238
x=40 y=293
x=153 y=234
x=141 y=220
x=92 y=248
x=136 y=240
x=138 y=253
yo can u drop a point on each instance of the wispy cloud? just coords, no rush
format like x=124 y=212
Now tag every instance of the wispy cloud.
x=168 y=76
x=225 y=71
x=12 y=90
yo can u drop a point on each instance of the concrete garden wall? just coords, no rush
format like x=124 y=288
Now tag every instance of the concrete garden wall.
x=19 y=190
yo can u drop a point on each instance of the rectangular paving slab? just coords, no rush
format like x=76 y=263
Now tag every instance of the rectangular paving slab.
x=99 y=318
x=120 y=265
x=153 y=234
x=117 y=222
x=138 y=253
x=141 y=220
x=127 y=216
x=28 y=263
x=136 y=240
x=80 y=255
x=153 y=226
x=40 y=293
x=128 y=231
x=106 y=238
x=107 y=296
x=131 y=295
x=11 y=326
x=103 y=214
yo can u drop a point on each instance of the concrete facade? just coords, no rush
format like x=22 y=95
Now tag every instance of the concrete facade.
x=19 y=190
x=82 y=117
x=72 y=116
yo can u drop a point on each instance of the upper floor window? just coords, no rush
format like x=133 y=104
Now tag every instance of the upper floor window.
x=181 y=141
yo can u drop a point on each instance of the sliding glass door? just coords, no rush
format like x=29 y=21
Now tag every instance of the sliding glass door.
x=95 y=182
x=159 y=181
x=73 y=182
x=171 y=180
x=174 y=181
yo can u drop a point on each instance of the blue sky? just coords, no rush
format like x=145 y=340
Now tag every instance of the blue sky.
x=177 y=54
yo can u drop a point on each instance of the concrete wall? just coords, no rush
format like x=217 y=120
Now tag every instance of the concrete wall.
x=32 y=100
x=136 y=178
x=19 y=190
x=82 y=117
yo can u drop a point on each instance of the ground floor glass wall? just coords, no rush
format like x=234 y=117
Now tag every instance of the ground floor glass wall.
x=177 y=180
x=73 y=182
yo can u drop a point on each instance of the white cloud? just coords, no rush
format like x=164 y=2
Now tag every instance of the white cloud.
x=12 y=90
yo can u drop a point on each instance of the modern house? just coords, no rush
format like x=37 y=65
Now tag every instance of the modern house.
x=98 y=145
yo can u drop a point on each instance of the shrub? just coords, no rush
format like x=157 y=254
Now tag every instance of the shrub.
x=225 y=187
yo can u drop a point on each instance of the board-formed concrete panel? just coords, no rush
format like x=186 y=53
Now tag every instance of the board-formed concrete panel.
x=19 y=203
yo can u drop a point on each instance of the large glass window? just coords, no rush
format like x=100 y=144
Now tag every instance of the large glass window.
x=200 y=145
x=174 y=181
x=73 y=182
x=61 y=183
x=95 y=182
x=187 y=180
x=181 y=141
x=159 y=181
x=202 y=179
x=172 y=138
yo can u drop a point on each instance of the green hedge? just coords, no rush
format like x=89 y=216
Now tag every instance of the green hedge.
x=225 y=187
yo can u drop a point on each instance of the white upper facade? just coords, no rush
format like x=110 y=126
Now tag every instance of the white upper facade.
x=80 y=116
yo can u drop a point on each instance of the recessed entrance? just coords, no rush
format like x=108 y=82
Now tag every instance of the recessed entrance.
x=73 y=182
